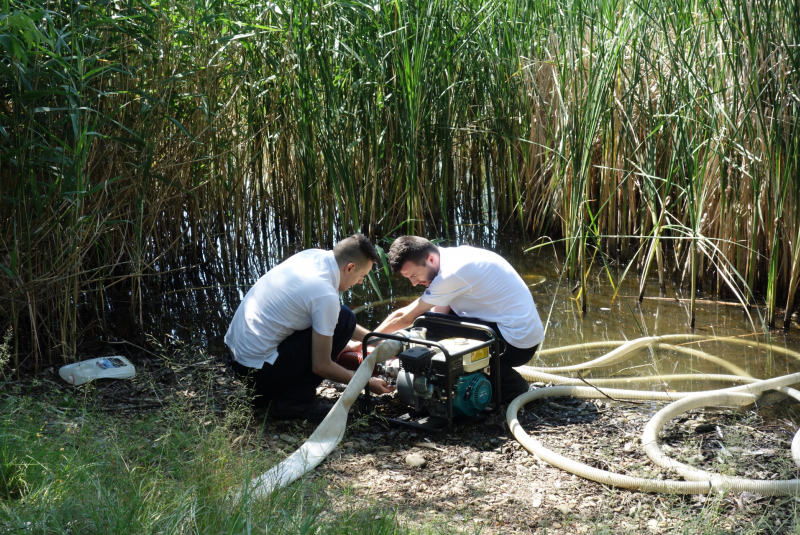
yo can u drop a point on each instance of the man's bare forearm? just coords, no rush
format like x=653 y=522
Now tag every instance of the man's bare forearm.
x=360 y=333
x=333 y=372
x=321 y=363
x=395 y=322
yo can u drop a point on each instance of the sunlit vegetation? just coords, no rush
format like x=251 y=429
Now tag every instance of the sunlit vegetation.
x=139 y=138
x=66 y=469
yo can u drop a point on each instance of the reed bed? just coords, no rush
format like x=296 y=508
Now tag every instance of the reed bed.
x=140 y=139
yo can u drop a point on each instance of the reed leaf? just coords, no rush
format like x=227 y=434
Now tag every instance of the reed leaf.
x=141 y=138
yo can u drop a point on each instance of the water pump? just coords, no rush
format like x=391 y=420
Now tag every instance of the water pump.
x=447 y=379
x=422 y=379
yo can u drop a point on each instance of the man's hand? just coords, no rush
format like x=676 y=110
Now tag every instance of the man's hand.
x=379 y=386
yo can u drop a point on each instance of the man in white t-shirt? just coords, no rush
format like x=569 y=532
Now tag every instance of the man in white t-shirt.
x=476 y=286
x=290 y=327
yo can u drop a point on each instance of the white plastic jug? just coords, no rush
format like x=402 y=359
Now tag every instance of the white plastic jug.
x=100 y=368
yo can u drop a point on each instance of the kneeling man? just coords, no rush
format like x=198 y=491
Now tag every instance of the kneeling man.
x=477 y=286
x=290 y=327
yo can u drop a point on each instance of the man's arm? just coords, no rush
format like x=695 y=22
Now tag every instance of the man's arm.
x=322 y=365
x=360 y=333
x=403 y=317
x=355 y=343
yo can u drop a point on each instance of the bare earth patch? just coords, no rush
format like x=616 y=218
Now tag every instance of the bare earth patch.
x=477 y=478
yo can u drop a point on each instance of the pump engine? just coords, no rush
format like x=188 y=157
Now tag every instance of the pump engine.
x=422 y=378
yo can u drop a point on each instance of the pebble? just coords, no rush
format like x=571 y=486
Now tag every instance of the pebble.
x=415 y=460
x=564 y=509
x=288 y=438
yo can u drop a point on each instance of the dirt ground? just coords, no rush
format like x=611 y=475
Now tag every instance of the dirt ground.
x=476 y=478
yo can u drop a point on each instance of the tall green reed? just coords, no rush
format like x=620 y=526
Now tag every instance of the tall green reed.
x=143 y=139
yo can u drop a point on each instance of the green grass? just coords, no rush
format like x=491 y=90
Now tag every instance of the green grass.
x=73 y=461
x=79 y=470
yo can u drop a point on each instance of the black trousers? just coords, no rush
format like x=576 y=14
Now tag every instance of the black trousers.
x=289 y=379
x=510 y=356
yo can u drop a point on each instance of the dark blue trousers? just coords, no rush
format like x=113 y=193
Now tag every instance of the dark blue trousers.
x=289 y=379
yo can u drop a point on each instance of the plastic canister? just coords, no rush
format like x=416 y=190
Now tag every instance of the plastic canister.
x=115 y=367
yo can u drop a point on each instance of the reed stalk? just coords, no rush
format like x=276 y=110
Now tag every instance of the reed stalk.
x=141 y=138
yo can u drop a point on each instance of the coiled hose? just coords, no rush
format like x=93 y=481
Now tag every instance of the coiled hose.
x=327 y=436
x=698 y=481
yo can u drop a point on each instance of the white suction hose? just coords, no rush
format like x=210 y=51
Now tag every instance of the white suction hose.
x=330 y=431
x=327 y=436
x=728 y=397
x=700 y=481
x=625 y=348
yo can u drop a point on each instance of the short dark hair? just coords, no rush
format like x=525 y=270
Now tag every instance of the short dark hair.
x=356 y=249
x=410 y=249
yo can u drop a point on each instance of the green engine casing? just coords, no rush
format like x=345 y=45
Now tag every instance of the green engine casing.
x=473 y=394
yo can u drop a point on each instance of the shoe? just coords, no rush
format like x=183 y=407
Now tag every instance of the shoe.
x=512 y=384
x=313 y=412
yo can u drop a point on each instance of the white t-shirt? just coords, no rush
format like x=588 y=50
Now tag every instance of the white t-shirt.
x=480 y=284
x=298 y=293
